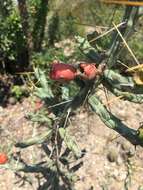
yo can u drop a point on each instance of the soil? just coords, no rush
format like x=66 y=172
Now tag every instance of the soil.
x=110 y=161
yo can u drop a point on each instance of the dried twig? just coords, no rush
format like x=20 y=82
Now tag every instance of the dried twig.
x=129 y=49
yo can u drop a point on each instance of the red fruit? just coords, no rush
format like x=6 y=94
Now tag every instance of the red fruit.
x=3 y=158
x=89 y=70
x=62 y=72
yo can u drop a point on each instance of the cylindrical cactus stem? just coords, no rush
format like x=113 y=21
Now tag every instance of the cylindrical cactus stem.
x=117 y=80
x=35 y=140
x=25 y=168
x=113 y=79
x=136 y=98
x=113 y=122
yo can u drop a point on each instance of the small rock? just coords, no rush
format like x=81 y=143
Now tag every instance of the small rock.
x=131 y=153
x=119 y=161
x=127 y=150
x=112 y=155
x=115 y=174
x=12 y=100
x=1 y=109
x=122 y=176
x=125 y=145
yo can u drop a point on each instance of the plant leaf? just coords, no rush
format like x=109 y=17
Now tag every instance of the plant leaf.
x=65 y=93
x=44 y=91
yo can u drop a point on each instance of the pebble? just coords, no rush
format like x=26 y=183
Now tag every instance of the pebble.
x=112 y=155
x=12 y=100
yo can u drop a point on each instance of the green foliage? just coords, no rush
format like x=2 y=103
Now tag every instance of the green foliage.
x=136 y=46
x=44 y=91
x=87 y=49
x=68 y=26
x=100 y=44
x=12 y=40
x=45 y=58
x=63 y=24
x=33 y=4
x=53 y=29
x=40 y=24
x=68 y=91
x=18 y=91
x=6 y=8
x=40 y=117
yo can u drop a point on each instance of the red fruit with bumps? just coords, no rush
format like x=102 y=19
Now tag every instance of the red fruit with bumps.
x=90 y=71
x=62 y=72
x=3 y=158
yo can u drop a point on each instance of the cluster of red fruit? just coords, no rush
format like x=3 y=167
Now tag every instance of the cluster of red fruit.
x=64 y=72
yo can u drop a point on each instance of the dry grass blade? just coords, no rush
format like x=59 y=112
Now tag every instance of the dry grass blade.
x=29 y=81
x=67 y=116
x=137 y=73
x=123 y=64
x=129 y=49
x=107 y=99
x=55 y=105
x=135 y=68
x=123 y=2
x=92 y=25
x=107 y=32
x=109 y=102
x=138 y=77
x=25 y=73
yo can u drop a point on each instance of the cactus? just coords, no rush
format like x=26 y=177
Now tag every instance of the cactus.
x=61 y=149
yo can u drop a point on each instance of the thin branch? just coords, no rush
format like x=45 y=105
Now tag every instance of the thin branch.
x=135 y=68
x=129 y=49
x=107 y=32
x=109 y=102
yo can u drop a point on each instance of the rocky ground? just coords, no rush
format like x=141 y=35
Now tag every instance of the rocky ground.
x=110 y=161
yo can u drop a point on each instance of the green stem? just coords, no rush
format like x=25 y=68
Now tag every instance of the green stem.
x=25 y=168
x=136 y=98
x=113 y=122
x=35 y=140
x=114 y=79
